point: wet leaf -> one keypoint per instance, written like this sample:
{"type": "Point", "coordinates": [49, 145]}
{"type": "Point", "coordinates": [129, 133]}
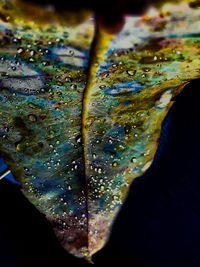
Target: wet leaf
{"type": "Point", "coordinates": [79, 122]}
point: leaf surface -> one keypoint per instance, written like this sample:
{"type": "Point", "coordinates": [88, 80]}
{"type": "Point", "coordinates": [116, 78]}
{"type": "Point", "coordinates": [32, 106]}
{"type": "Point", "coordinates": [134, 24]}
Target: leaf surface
{"type": "Point", "coordinates": [80, 121]}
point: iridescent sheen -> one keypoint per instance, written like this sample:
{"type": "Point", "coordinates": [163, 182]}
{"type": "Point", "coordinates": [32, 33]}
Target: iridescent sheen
{"type": "Point", "coordinates": [77, 127]}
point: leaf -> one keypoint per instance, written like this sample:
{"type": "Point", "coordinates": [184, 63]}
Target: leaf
{"type": "Point", "coordinates": [77, 134]}
{"type": "Point", "coordinates": [144, 67]}
{"type": "Point", "coordinates": [43, 76]}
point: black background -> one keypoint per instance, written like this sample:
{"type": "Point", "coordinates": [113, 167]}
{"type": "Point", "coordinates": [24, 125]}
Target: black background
{"type": "Point", "coordinates": [158, 226]}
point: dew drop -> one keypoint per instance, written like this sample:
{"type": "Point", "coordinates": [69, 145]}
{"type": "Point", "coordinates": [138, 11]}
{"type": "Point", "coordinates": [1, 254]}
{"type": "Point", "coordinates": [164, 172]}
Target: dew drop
{"type": "Point", "coordinates": [134, 160]}
{"type": "Point", "coordinates": [73, 86]}
{"type": "Point", "coordinates": [69, 187]}
{"type": "Point", "coordinates": [44, 63]}
{"type": "Point", "coordinates": [20, 50]}
{"type": "Point", "coordinates": [20, 147]}
{"type": "Point", "coordinates": [78, 139]}
{"type": "Point", "coordinates": [32, 118]}
{"type": "Point", "coordinates": [32, 53]}
{"type": "Point", "coordinates": [131, 73]}
{"type": "Point", "coordinates": [31, 59]}
{"type": "Point", "coordinates": [114, 164]}
{"type": "Point", "coordinates": [99, 170]}
{"type": "Point", "coordinates": [102, 188]}
{"type": "Point", "coordinates": [70, 53]}
{"type": "Point", "coordinates": [102, 86]}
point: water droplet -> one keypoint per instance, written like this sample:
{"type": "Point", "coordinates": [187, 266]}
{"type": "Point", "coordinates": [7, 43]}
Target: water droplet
{"type": "Point", "coordinates": [20, 50]}
{"type": "Point", "coordinates": [20, 147]}
{"type": "Point", "coordinates": [31, 59]}
{"type": "Point", "coordinates": [102, 86]}
{"type": "Point", "coordinates": [44, 63]}
{"type": "Point", "coordinates": [110, 141]}
{"type": "Point", "coordinates": [99, 170]}
{"type": "Point", "coordinates": [147, 69]}
{"type": "Point", "coordinates": [69, 187]}
{"type": "Point", "coordinates": [68, 79]}
{"type": "Point", "coordinates": [102, 188]}
{"type": "Point", "coordinates": [32, 118]}
{"type": "Point", "coordinates": [70, 53]}
{"type": "Point", "coordinates": [131, 72]}
{"type": "Point", "coordinates": [16, 40]}
{"type": "Point", "coordinates": [32, 53]}
{"type": "Point", "coordinates": [76, 167]}
{"type": "Point", "coordinates": [114, 164]}
{"type": "Point", "coordinates": [73, 86]}
{"type": "Point", "coordinates": [78, 139]}
{"type": "Point", "coordinates": [47, 51]}
{"type": "Point", "coordinates": [127, 129]}
{"type": "Point", "coordinates": [134, 160]}
{"type": "Point", "coordinates": [146, 166]}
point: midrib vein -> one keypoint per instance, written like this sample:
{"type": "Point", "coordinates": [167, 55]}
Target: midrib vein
{"type": "Point", "coordinates": [99, 46]}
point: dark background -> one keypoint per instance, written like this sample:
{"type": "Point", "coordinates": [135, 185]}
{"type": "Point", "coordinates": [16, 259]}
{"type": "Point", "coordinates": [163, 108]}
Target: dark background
{"type": "Point", "coordinates": [158, 226]}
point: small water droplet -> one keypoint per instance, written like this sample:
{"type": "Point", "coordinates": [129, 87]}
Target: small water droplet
{"type": "Point", "coordinates": [32, 118]}
{"type": "Point", "coordinates": [20, 50]}
{"type": "Point", "coordinates": [102, 86]}
{"type": "Point", "coordinates": [102, 188]}
{"type": "Point", "coordinates": [44, 63]}
{"type": "Point", "coordinates": [110, 141]}
{"type": "Point", "coordinates": [47, 51]}
{"type": "Point", "coordinates": [73, 86]}
{"type": "Point", "coordinates": [99, 170]}
{"type": "Point", "coordinates": [78, 139]}
{"type": "Point", "coordinates": [131, 72]}
{"type": "Point", "coordinates": [20, 147]}
{"type": "Point", "coordinates": [114, 164]}
{"type": "Point", "coordinates": [134, 160]}
{"type": "Point", "coordinates": [70, 53]}
{"type": "Point", "coordinates": [31, 59]}
{"type": "Point", "coordinates": [32, 53]}
{"type": "Point", "coordinates": [69, 187]}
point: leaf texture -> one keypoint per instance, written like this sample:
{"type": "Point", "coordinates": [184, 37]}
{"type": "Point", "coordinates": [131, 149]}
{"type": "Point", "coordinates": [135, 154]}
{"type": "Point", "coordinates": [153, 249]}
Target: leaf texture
{"type": "Point", "coordinates": [81, 117]}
